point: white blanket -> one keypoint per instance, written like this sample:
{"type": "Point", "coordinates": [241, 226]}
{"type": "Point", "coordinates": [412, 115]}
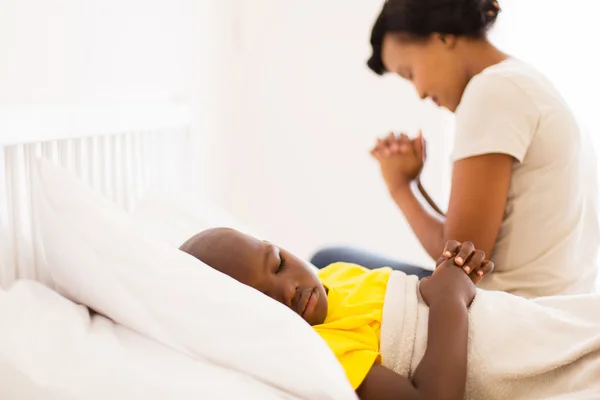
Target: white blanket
{"type": "Point", "coordinates": [518, 348]}
{"type": "Point", "coordinates": [51, 349]}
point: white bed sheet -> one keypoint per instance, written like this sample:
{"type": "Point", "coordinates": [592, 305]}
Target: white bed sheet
{"type": "Point", "coordinates": [51, 348]}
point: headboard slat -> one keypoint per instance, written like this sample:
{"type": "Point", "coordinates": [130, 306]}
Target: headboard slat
{"type": "Point", "coordinates": [122, 165]}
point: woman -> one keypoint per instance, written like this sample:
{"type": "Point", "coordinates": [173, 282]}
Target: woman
{"type": "Point", "coordinates": [516, 141]}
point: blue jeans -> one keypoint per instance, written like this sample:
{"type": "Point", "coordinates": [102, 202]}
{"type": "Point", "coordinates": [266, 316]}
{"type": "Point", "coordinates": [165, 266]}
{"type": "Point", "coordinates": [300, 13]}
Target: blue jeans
{"type": "Point", "coordinates": [365, 258]}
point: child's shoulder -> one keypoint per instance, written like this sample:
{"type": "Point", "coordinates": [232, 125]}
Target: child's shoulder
{"type": "Point", "coordinates": [341, 272]}
{"type": "Point", "coordinates": [342, 269]}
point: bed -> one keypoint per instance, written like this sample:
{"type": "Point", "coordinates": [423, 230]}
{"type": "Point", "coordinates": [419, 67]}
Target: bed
{"type": "Point", "coordinates": [120, 150]}
{"type": "Point", "coordinates": [96, 300]}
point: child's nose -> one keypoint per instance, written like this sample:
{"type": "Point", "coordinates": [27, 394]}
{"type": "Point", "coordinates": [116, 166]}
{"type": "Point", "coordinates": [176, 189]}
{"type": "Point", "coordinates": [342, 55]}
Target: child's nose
{"type": "Point", "coordinates": [290, 294]}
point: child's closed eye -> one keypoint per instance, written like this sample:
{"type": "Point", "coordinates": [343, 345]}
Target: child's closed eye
{"type": "Point", "coordinates": [281, 265]}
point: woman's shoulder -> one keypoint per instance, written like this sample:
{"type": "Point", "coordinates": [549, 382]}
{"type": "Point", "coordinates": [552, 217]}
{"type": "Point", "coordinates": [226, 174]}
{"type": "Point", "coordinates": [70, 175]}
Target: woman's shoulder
{"type": "Point", "coordinates": [504, 108]}
{"type": "Point", "coordinates": [509, 70]}
{"type": "Point", "coordinates": [513, 81]}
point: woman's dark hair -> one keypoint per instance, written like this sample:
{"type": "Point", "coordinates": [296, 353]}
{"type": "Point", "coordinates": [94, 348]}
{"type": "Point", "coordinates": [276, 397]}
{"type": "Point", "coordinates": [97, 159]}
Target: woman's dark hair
{"type": "Point", "coordinates": [417, 19]}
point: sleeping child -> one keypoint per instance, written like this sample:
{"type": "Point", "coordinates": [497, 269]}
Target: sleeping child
{"type": "Point", "coordinates": [439, 338]}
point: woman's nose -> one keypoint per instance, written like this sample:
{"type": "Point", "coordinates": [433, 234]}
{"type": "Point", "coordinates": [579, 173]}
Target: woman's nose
{"type": "Point", "coordinates": [420, 91]}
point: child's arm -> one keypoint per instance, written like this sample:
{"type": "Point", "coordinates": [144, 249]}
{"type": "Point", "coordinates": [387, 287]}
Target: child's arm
{"type": "Point", "coordinates": [443, 370]}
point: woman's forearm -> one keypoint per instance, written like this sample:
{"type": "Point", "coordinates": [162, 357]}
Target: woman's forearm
{"type": "Point", "coordinates": [442, 373]}
{"type": "Point", "coordinates": [427, 224]}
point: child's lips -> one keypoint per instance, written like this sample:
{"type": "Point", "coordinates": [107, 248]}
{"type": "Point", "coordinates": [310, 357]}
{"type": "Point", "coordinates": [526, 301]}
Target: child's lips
{"type": "Point", "coordinates": [304, 301]}
{"type": "Point", "coordinates": [311, 304]}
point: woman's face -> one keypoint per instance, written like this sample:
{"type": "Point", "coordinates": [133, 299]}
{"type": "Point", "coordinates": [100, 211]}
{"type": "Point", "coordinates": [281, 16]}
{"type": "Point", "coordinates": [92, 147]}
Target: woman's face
{"type": "Point", "coordinates": [433, 65]}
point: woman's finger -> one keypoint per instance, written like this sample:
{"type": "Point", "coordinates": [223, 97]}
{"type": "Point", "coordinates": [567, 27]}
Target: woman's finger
{"type": "Point", "coordinates": [406, 144]}
{"type": "Point", "coordinates": [465, 251]}
{"type": "Point", "coordinates": [385, 145]}
{"type": "Point", "coordinates": [374, 153]}
{"type": "Point", "coordinates": [390, 138]}
{"type": "Point", "coordinates": [381, 147]}
{"type": "Point", "coordinates": [403, 138]}
{"type": "Point", "coordinates": [417, 146]}
{"type": "Point", "coordinates": [403, 143]}
{"type": "Point", "coordinates": [378, 153]}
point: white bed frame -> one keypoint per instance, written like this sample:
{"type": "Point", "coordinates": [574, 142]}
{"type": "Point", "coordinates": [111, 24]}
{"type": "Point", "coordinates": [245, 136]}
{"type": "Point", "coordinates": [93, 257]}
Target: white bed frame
{"type": "Point", "coordinates": [121, 150]}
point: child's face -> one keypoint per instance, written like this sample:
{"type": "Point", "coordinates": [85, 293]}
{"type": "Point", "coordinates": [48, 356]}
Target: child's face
{"type": "Point", "coordinates": [271, 270]}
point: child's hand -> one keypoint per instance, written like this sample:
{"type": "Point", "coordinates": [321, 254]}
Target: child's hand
{"type": "Point", "coordinates": [448, 283]}
{"type": "Point", "coordinates": [401, 159]}
{"type": "Point", "coordinates": [472, 261]}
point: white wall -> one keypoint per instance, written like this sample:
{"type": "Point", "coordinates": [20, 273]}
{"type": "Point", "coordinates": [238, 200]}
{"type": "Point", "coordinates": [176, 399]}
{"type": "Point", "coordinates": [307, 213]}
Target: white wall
{"type": "Point", "coordinates": [284, 104]}
{"type": "Point", "coordinates": [85, 51]}
{"type": "Point", "coordinates": [307, 111]}
{"type": "Point", "coordinates": [560, 39]}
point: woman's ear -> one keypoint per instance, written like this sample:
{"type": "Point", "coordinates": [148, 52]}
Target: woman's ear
{"type": "Point", "coordinates": [446, 39]}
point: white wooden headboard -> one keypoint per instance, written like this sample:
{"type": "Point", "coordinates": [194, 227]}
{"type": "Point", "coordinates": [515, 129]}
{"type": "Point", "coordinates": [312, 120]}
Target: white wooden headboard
{"type": "Point", "coordinates": [121, 150]}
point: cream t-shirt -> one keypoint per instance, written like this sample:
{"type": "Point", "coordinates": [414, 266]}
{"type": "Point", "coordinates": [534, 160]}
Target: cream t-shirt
{"type": "Point", "coordinates": [549, 236]}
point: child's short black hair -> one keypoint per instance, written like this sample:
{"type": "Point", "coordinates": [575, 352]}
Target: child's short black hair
{"type": "Point", "coordinates": [418, 19]}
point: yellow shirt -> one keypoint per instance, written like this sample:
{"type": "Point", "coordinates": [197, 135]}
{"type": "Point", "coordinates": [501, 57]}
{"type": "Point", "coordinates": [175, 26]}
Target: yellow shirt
{"type": "Point", "coordinates": [353, 323]}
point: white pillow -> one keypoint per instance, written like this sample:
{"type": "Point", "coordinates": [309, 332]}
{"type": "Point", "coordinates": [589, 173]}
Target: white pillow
{"type": "Point", "coordinates": [176, 215]}
{"type": "Point", "coordinates": [99, 257]}
{"type": "Point", "coordinates": [51, 349]}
